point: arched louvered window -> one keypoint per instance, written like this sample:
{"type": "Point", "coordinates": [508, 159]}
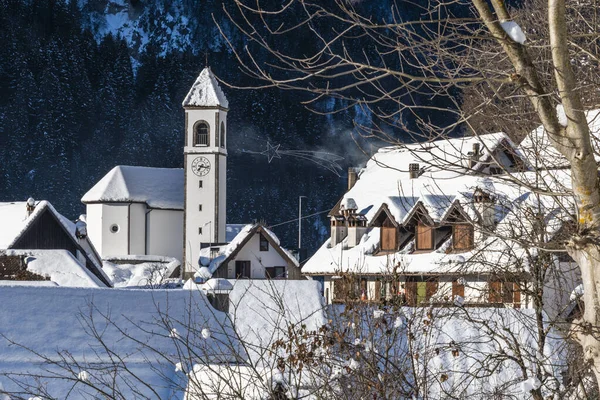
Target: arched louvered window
{"type": "Point", "coordinates": [201, 134]}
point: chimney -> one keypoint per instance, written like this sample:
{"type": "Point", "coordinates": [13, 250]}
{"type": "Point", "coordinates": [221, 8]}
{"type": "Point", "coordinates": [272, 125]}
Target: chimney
{"type": "Point", "coordinates": [413, 170]}
{"type": "Point", "coordinates": [474, 155]}
{"type": "Point", "coordinates": [30, 206]}
{"type": "Point", "coordinates": [352, 177]}
{"type": "Point", "coordinates": [357, 226]}
{"type": "Point", "coordinates": [485, 207]}
{"type": "Point", "coordinates": [338, 230]}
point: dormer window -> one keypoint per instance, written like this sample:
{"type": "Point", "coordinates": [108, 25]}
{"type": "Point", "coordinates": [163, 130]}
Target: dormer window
{"type": "Point", "coordinates": [424, 237]}
{"type": "Point", "coordinates": [201, 134]}
{"type": "Point", "coordinates": [462, 237]}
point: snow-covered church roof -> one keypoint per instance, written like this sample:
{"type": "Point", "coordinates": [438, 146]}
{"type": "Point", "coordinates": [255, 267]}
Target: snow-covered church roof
{"type": "Point", "coordinates": [157, 187]}
{"type": "Point", "coordinates": [206, 92]}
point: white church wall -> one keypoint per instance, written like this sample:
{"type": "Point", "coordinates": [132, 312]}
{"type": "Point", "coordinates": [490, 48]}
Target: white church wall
{"type": "Point", "coordinates": [259, 260]}
{"type": "Point", "coordinates": [94, 225]}
{"type": "Point", "coordinates": [137, 228]}
{"type": "Point", "coordinates": [165, 233]}
{"type": "Point", "coordinates": [115, 232]}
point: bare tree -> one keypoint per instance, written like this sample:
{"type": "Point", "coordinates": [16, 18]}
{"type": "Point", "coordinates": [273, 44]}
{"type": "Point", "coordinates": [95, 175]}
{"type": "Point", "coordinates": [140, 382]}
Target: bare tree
{"type": "Point", "coordinates": [412, 70]}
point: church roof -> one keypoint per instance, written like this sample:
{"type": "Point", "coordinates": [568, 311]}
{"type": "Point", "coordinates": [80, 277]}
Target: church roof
{"type": "Point", "coordinates": [157, 187]}
{"type": "Point", "coordinates": [206, 92]}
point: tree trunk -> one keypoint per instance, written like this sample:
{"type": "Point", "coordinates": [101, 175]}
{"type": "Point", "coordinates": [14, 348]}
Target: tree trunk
{"type": "Point", "coordinates": [585, 330]}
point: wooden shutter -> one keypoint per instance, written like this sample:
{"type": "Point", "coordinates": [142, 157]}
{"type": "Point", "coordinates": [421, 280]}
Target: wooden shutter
{"type": "Point", "coordinates": [411, 293]}
{"type": "Point", "coordinates": [424, 237]}
{"type": "Point", "coordinates": [377, 290]}
{"type": "Point", "coordinates": [388, 238]}
{"type": "Point", "coordinates": [495, 295]}
{"type": "Point", "coordinates": [431, 288]}
{"type": "Point", "coordinates": [457, 290]}
{"type": "Point", "coordinates": [463, 237]}
{"type": "Point", "coordinates": [517, 296]}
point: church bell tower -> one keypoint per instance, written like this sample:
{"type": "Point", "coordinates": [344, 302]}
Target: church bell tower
{"type": "Point", "coordinates": [205, 160]}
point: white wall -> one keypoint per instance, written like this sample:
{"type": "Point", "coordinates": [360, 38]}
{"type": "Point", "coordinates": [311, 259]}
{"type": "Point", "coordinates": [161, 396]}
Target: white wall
{"type": "Point", "coordinates": [94, 225]}
{"type": "Point", "coordinates": [212, 218]}
{"type": "Point", "coordinates": [115, 243]}
{"type": "Point", "coordinates": [259, 260]}
{"type": "Point", "coordinates": [137, 228]}
{"type": "Point", "coordinates": [165, 233]}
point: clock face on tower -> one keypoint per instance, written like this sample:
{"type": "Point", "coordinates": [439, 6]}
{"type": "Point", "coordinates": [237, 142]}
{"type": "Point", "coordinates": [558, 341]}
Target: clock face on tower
{"type": "Point", "coordinates": [200, 166]}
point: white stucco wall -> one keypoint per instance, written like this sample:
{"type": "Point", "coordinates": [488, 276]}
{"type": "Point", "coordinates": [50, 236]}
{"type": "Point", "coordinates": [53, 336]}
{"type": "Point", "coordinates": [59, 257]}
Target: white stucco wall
{"type": "Point", "coordinates": [137, 228]}
{"type": "Point", "coordinates": [115, 243]}
{"type": "Point", "coordinates": [165, 233]}
{"type": "Point", "coordinates": [259, 260]}
{"type": "Point", "coordinates": [94, 225]}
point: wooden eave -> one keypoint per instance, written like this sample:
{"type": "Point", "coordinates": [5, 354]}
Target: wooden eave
{"type": "Point", "coordinates": [419, 211]}
{"type": "Point", "coordinates": [383, 209]}
{"type": "Point", "coordinates": [455, 207]}
{"type": "Point", "coordinates": [219, 107]}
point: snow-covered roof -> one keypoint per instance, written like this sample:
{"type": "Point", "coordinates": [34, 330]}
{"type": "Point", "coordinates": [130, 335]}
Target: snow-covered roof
{"type": "Point", "coordinates": [206, 92]}
{"type": "Point", "coordinates": [226, 252]}
{"type": "Point", "coordinates": [142, 271]}
{"type": "Point", "coordinates": [59, 266]}
{"type": "Point", "coordinates": [157, 187]}
{"type": "Point", "coordinates": [15, 221]}
{"type": "Point", "coordinates": [149, 331]}
{"type": "Point", "coordinates": [445, 184]}
{"type": "Point", "coordinates": [537, 146]}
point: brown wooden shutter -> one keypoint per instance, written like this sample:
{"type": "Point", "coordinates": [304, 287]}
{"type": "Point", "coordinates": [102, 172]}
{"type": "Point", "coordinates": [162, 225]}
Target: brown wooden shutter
{"type": "Point", "coordinates": [495, 295]}
{"type": "Point", "coordinates": [463, 237]}
{"type": "Point", "coordinates": [411, 293]}
{"type": "Point", "coordinates": [457, 290]}
{"type": "Point", "coordinates": [517, 296]}
{"type": "Point", "coordinates": [424, 237]}
{"type": "Point", "coordinates": [377, 290]}
{"type": "Point", "coordinates": [388, 238]}
{"type": "Point", "coordinates": [431, 288]}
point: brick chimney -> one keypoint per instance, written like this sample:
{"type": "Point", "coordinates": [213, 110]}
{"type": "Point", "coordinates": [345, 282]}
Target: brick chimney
{"type": "Point", "coordinates": [413, 170]}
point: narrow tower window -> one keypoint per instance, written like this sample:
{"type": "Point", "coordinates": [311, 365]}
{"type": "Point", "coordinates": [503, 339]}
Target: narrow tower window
{"type": "Point", "coordinates": [222, 135]}
{"type": "Point", "coordinates": [201, 137]}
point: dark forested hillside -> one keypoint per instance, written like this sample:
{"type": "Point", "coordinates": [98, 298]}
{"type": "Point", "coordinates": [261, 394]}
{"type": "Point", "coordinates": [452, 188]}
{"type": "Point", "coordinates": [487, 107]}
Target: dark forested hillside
{"type": "Point", "coordinates": [76, 101]}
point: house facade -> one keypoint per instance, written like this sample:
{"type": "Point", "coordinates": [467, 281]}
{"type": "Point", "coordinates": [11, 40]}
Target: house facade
{"type": "Point", "coordinates": [39, 244]}
{"type": "Point", "coordinates": [254, 253]}
{"type": "Point", "coordinates": [434, 224]}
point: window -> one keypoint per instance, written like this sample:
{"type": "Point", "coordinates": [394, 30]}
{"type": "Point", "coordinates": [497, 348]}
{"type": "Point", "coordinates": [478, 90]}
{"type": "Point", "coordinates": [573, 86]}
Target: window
{"type": "Point", "coordinates": [242, 269]}
{"type": "Point", "coordinates": [264, 243]}
{"type": "Point", "coordinates": [222, 134]}
{"type": "Point", "coordinates": [201, 136]}
{"type": "Point", "coordinates": [504, 292]}
{"type": "Point", "coordinates": [200, 184]}
{"type": "Point", "coordinates": [199, 207]}
{"type": "Point", "coordinates": [275, 272]}
{"type": "Point", "coordinates": [424, 237]}
{"type": "Point", "coordinates": [462, 237]}
{"type": "Point", "coordinates": [420, 290]}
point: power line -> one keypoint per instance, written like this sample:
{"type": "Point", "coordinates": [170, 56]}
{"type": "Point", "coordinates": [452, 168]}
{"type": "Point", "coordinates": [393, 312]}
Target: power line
{"type": "Point", "coordinates": [296, 219]}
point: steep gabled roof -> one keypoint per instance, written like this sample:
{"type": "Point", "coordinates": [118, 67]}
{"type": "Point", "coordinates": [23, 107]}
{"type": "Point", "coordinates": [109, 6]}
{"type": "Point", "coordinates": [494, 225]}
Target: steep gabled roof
{"type": "Point", "coordinates": [206, 92]}
{"type": "Point", "coordinates": [16, 222]}
{"type": "Point", "coordinates": [157, 187]}
{"type": "Point", "coordinates": [228, 252]}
